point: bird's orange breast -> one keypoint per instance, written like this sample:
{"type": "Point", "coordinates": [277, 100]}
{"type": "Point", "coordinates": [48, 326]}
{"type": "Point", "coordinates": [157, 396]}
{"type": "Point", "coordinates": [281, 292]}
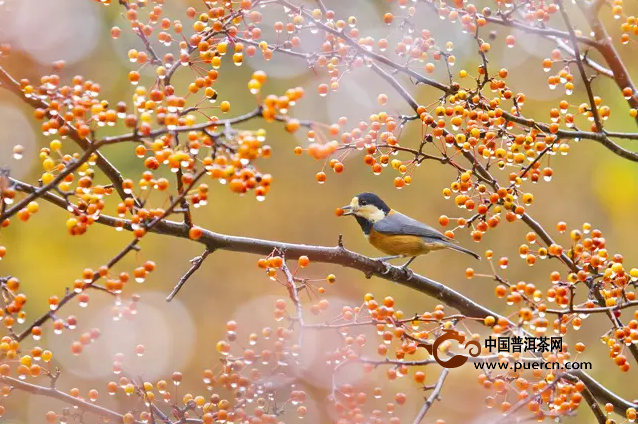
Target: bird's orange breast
{"type": "Point", "coordinates": [400, 244]}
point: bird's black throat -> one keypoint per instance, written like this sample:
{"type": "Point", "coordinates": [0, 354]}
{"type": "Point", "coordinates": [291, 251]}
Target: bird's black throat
{"type": "Point", "coordinates": [366, 225]}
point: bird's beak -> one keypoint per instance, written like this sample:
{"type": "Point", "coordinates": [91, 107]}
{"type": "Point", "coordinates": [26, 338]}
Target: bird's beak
{"type": "Point", "coordinates": [347, 210]}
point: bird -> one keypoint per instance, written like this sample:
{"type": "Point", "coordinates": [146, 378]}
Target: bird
{"type": "Point", "coordinates": [396, 234]}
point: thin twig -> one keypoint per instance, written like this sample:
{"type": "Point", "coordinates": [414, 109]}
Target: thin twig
{"type": "Point", "coordinates": [593, 405]}
{"type": "Point", "coordinates": [82, 405]}
{"type": "Point", "coordinates": [197, 263]}
{"type": "Point", "coordinates": [433, 396]}
{"type": "Point", "coordinates": [7, 82]}
{"type": "Point", "coordinates": [581, 67]}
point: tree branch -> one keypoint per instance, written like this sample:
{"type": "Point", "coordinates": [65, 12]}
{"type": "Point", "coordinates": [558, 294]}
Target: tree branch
{"type": "Point", "coordinates": [379, 58]}
{"type": "Point", "coordinates": [197, 263]}
{"type": "Point", "coordinates": [581, 67]}
{"type": "Point", "coordinates": [61, 396]}
{"type": "Point", "coordinates": [604, 395]}
{"type": "Point", "coordinates": [593, 405]}
{"type": "Point", "coordinates": [340, 256]}
{"type": "Point", "coordinates": [197, 127]}
{"type": "Point", "coordinates": [433, 396]}
{"type": "Point", "coordinates": [105, 166]}
{"type": "Point", "coordinates": [609, 53]}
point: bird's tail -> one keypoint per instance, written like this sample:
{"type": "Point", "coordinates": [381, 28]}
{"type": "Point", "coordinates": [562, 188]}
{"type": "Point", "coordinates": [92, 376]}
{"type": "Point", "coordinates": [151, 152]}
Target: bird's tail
{"type": "Point", "coordinates": [464, 250]}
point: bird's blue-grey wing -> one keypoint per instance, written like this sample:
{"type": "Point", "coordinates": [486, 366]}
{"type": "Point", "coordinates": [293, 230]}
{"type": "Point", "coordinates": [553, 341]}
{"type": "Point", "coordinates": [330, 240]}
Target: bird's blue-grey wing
{"type": "Point", "coordinates": [398, 224]}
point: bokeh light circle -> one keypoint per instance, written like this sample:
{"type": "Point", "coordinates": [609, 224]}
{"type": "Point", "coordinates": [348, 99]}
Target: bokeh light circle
{"type": "Point", "coordinates": [166, 330]}
{"type": "Point", "coordinates": [53, 30]}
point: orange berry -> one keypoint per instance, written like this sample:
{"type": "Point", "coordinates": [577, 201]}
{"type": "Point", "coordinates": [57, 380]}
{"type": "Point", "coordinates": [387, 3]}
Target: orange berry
{"type": "Point", "coordinates": [388, 18]}
{"type": "Point", "coordinates": [76, 348]}
{"type": "Point", "coordinates": [51, 417]}
{"type": "Point", "coordinates": [195, 233]}
{"type": "Point", "coordinates": [400, 398]}
{"type": "Point", "coordinates": [304, 261]}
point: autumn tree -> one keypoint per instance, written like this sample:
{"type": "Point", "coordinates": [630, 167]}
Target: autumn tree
{"type": "Point", "coordinates": [185, 138]}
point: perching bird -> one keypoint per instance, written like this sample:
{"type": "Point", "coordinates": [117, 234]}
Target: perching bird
{"type": "Point", "coordinates": [396, 234]}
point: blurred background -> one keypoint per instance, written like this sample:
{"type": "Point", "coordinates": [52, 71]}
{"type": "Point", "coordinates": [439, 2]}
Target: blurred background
{"type": "Point", "coordinates": [590, 185]}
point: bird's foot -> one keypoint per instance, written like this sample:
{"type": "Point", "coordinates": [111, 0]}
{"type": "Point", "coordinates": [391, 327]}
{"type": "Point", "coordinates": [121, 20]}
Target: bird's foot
{"type": "Point", "coordinates": [409, 273]}
{"type": "Point", "coordinates": [407, 270]}
{"type": "Point", "coordinates": [386, 266]}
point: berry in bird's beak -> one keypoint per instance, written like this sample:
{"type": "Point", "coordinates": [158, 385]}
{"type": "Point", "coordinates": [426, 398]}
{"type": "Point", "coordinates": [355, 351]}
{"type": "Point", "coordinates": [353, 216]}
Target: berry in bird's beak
{"type": "Point", "coordinates": [344, 211]}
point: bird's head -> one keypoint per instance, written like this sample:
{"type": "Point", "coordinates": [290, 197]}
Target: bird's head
{"type": "Point", "coordinates": [367, 206]}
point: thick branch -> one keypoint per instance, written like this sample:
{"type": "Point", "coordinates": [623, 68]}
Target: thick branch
{"type": "Point", "coordinates": [604, 395]}
{"type": "Point", "coordinates": [335, 255]}
{"type": "Point", "coordinates": [611, 56]}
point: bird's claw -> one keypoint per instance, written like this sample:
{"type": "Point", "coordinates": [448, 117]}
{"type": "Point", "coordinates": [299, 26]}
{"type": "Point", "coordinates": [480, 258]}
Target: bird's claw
{"type": "Point", "coordinates": [409, 273]}
{"type": "Point", "coordinates": [387, 267]}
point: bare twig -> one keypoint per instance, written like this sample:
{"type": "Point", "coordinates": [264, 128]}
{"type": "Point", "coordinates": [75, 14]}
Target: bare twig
{"type": "Point", "coordinates": [188, 220]}
{"type": "Point", "coordinates": [82, 405]}
{"type": "Point", "coordinates": [521, 404]}
{"type": "Point", "coordinates": [197, 127]}
{"type": "Point", "coordinates": [197, 263]}
{"type": "Point", "coordinates": [372, 55]}
{"type": "Point", "coordinates": [581, 67]}
{"type": "Point", "coordinates": [593, 405]}
{"type": "Point", "coordinates": [436, 392]}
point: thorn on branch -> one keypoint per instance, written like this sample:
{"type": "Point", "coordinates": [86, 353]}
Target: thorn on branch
{"type": "Point", "coordinates": [54, 377]}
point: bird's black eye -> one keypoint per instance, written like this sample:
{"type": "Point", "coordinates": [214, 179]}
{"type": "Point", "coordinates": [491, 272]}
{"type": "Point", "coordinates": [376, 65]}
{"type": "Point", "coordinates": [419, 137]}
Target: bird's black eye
{"type": "Point", "coordinates": [362, 203]}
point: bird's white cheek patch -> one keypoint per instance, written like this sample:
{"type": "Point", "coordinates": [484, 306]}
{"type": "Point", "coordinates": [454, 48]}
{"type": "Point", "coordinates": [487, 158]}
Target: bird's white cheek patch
{"type": "Point", "coordinates": [371, 213]}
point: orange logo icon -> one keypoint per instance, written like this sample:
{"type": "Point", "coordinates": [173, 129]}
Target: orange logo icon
{"type": "Point", "coordinates": [457, 360]}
